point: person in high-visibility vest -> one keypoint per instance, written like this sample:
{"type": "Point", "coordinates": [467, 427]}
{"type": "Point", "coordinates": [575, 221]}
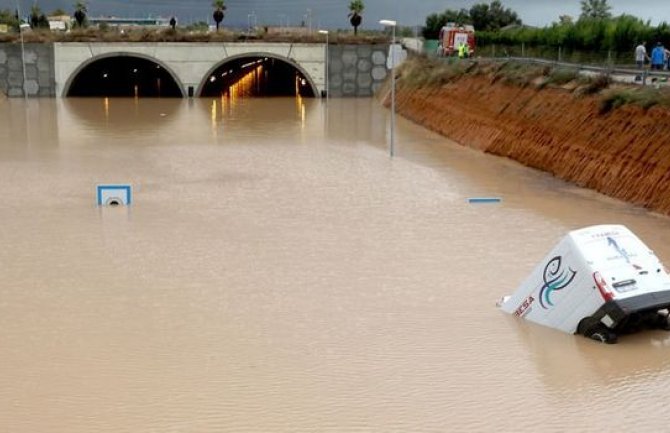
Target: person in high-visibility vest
{"type": "Point", "coordinates": [466, 51]}
{"type": "Point", "coordinates": [461, 50]}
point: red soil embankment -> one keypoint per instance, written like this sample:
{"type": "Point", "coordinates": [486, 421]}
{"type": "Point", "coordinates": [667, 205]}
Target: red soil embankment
{"type": "Point", "coordinates": [624, 153]}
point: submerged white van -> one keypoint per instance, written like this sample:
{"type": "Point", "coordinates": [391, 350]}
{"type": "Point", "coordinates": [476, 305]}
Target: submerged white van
{"type": "Point", "coordinates": [599, 281]}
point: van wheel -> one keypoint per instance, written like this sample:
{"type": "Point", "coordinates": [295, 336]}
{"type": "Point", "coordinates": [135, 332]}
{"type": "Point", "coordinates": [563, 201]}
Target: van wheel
{"type": "Point", "coordinates": [602, 334]}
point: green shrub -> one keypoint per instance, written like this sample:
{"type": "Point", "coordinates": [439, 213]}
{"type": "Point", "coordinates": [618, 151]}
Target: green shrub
{"type": "Point", "coordinates": [519, 74]}
{"type": "Point", "coordinates": [590, 84]}
{"type": "Point", "coordinates": [645, 97]}
{"type": "Point", "coordinates": [562, 76]}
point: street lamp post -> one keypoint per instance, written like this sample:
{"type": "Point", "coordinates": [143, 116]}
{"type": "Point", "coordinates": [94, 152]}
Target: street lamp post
{"type": "Point", "coordinates": [249, 19]}
{"type": "Point", "coordinates": [325, 32]}
{"type": "Point", "coordinates": [392, 24]}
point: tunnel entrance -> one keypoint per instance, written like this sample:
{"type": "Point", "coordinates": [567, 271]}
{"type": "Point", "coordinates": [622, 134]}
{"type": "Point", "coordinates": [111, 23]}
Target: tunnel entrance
{"type": "Point", "coordinates": [257, 76]}
{"type": "Point", "coordinates": [124, 76]}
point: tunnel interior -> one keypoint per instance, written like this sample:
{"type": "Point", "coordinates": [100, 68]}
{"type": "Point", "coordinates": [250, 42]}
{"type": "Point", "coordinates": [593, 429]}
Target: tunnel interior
{"type": "Point", "coordinates": [124, 76]}
{"type": "Point", "coordinates": [257, 76]}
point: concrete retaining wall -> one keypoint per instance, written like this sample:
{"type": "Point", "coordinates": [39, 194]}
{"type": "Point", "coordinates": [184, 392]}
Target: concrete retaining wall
{"type": "Point", "coordinates": [356, 70]}
{"type": "Point", "coordinates": [39, 70]}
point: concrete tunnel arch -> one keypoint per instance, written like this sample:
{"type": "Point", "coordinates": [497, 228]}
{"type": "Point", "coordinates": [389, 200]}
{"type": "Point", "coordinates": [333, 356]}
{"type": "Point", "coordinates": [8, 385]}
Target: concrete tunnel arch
{"type": "Point", "coordinates": [256, 55]}
{"type": "Point", "coordinates": [103, 57]}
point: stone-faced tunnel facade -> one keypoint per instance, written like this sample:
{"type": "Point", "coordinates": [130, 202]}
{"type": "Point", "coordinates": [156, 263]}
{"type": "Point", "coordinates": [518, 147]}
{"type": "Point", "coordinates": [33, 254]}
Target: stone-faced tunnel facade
{"type": "Point", "coordinates": [354, 70]}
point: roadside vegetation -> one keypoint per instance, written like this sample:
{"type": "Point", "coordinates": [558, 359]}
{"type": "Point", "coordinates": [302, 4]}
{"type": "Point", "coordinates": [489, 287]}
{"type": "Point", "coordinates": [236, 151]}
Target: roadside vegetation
{"type": "Point", "coordinates": [645, 97]}
{"type": "Point", "coordinates": [423, 71]}
{"type": "Point", "coordinates": [595, 35]}
{"type": "Point", "coordinates": [612, 39]}
{"type": "Point", "coordinates": [195, 33]}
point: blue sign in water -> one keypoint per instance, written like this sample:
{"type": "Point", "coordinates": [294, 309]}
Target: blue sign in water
{"type": "Point", "coordinates": [114, 195]}
{"type": "Point", "coordinates": [484, 200]}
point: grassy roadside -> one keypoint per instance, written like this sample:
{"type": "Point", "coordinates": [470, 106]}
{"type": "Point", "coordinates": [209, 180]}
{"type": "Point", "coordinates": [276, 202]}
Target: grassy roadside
{"type": "Point", "coordinates": [422, 71]}
{"type": "Point", "coordinates": [645, 97]}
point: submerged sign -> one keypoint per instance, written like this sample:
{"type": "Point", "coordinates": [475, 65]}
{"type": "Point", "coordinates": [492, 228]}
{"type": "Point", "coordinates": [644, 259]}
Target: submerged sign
{"type": "Point", "coordinates": [114, 195]}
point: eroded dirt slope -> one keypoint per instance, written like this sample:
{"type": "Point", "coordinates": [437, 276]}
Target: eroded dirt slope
{"type": "Point", "coordinates": [624, 153]}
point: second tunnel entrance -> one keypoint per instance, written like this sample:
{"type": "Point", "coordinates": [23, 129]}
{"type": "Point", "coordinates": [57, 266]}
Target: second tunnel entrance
{"type": "Point", "coordinates": [257, 76]}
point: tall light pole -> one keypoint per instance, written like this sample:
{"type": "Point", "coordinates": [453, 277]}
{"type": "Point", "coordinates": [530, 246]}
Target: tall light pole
{"type": "Point", "coordinates": [325, 32]}
{"type": "Point", "coordinates": [249, 19]}
{"type": "Point", "coordinates": [23, 50]}
{"type": "Point", "coordinates": [393, 60]}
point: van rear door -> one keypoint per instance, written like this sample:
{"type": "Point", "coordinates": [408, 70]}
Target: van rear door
{"type": "Point", "coordinates": [622, 261]}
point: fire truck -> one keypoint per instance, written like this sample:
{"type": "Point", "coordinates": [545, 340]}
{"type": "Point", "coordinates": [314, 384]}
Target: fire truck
{"type": "Point", "coordinates": [452, 35]}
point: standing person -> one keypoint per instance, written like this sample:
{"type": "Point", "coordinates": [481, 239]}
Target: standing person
{"type": "Point", "coordinates": [641, 55]}
{"type": "Point", "coordinates": [658, 57]}
{"type": "Point", "coordinates": [461, 50]}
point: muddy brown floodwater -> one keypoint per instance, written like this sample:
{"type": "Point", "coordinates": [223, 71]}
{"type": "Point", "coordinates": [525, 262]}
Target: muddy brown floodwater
{"type": "Point", "coordinates": [278, 272]}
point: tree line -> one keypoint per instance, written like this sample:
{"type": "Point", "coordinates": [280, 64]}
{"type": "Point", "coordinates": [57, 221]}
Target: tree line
{"type": "Point", "coordinates": [617, 34]}
{"type": "Point", "coordinates": [594, 30]}
{"type": "Point", "coordinates": [483, 16]}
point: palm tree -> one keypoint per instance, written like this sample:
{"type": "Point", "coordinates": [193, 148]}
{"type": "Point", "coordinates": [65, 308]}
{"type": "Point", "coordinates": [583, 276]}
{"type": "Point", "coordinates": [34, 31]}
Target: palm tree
{"type": "Point", "coordinates": [218, 14]}
{"type": "Point", "coordinates": [356, 8]}
{"type": "Point", "coordinates": [34, 15]}
{"type": "Point", "coordinates": [80, 13]}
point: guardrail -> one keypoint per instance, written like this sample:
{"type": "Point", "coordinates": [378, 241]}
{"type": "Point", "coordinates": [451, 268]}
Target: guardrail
{"type": "Point", "coordinates": [619, 73]}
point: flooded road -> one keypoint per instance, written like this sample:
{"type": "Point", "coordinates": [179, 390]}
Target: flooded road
{"type": "Point", "coordinates": [278, 272]}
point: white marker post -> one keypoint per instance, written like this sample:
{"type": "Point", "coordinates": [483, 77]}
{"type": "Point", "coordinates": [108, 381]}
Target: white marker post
{"type": "Point", "coordinates": [391, 66]}
{"type": "Point", "coordinates": [325, 32]}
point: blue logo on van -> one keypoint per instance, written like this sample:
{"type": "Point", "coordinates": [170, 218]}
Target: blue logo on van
{"type": "Point", "coordinates": [555, 278]}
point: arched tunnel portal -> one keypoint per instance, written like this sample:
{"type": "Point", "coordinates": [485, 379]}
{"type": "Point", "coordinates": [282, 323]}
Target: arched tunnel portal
{"type": "Point", "coordinates": [123, 75]}
{"type": "Point", "coordinates": [257, 75]}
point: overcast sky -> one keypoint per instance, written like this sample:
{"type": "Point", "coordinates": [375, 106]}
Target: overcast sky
{"type": "Point", "coordinates": [333, 13]}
